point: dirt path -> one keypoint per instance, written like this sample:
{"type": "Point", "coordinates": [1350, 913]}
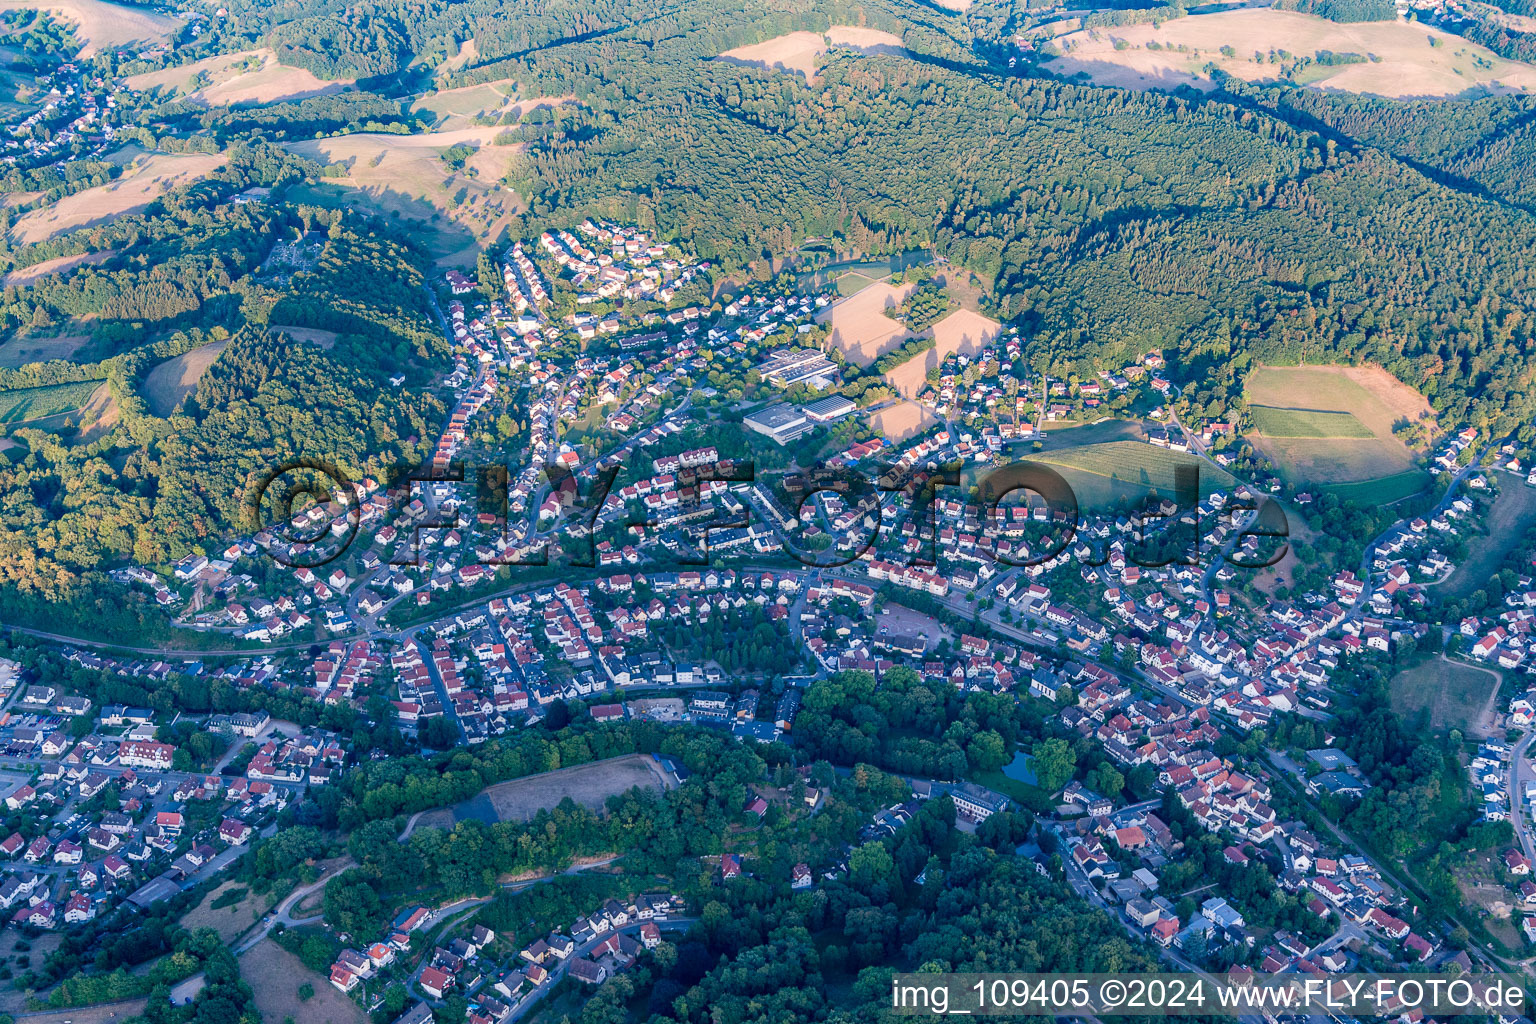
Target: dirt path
{"type": "Point", "coordinates": [98, 1014]}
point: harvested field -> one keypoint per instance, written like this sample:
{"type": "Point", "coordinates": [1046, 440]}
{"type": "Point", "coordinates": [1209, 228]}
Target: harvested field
{"type": "Point", "coordinates": [858, 326]}
{"type": "Point", "coordinates": [26, 349]}
{"type": "Point", "coordinates": [520, 799]}
{"type": "Point", "coordinates": [173, 380]}
{"type": "Point", "coordinates": [275, 975]}
{"type": "Point", "coordinates": [1401, 60]}
{"type": "Point", "coordinates": [101, 24]}
{"type": "Point", "coordinates": [1369, 396]}
{"type": "Point", "coordinates": [901, 421]}
{"type": "Point", "coordinates": [1513, 512]}
{"type": "Point", "coordinates": [247, 77]}
{"type": "Point", "coordinates": [1454, 695]}
{"type": "Point", "coordinates": [455, 107]}
{"type": "Point", "coordinates": [406, 175]}
{"type": "Point", "coordinates": [797, 51]}
{"type": "Point", "coordinates": [145, 181]}
{"type": "Point", "coordinates": [21, 277]}
{"type": "Point", "coordinates": [1305, 423]}
{"type": "Point", "coordinates": [962, 332]}
{"type": "Point", "coordinates": [1122, 473]}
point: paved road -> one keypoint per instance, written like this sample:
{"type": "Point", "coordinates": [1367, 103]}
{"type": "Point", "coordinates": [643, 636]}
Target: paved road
{"type": "Point", "coordinates": [1519, 774]}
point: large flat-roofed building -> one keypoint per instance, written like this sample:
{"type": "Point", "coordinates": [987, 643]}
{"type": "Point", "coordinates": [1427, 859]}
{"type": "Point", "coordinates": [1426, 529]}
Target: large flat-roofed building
{"type": "Point", "coordinates": [794, 366]}
{"type": "Point", "coordinates": [828, 409]}
{"type": "Point", "coordinates": [782, 423]}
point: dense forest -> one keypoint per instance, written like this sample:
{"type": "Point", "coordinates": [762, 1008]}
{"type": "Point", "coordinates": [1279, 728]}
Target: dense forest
{"type": "Point", "coordinates": [1107, 222]}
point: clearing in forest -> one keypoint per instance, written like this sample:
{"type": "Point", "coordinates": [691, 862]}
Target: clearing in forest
{"type": "Point", "coordinates": [143, 181]}
{"type": "Point", "coordinates": [449, 181]}
{"type": "Point", "coordinates": [520, 799]}
{"type": "Point", "coordinates": [24, 349]}
{"type": "Point", "coordinates": [100, 25]}
{"type": "Point", "coordinates": [173, 380]}
{"type": "Point", "coordinates": [1395, 59]}
{"type": "Point", "coordinates": [456, 107]}
{"type": "Point", "coordinates": [229, 79]}
{"type": "Point", "coordinates": [1323, 425]}
{"type": "Point", "coordinates": [798, 51]}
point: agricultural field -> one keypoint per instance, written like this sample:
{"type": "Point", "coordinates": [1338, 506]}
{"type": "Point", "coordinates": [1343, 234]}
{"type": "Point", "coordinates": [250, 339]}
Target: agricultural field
{"type": "Point", "coordinates": [231, 79]}
{"type": "Point", "coordinates": [1455, 695]}
{"type": "Point", "coordinates": [145, 179]}
{"type": "Point", "coordinates": [858, 327]}
{"type": "Point", "coordinates": [1121, 473]}
{"type": "Point", "coordinates": [1305, 423]}
{"type": "Point", "coordinates": [463, 207]}
{"type": "Point", "coordinates": [1400, 59]}
{"type": "Point", "coordinates": [962, 332]}
{"type": "Point", "coordinates": [27, 404]}
{"type": "Point", "coordinates": [173, 380]}
{"type": "Point", "coordinates": [900, 421]}
{"type": "Point", "coordinates": [22, 277]}
{"type": "Point", "coordinates": [798, 51]}
{"type": "Point", "coordinates": [313, 335]}
{"type": "Point", "coordinates": [26, 348]}
{"type": "Point", "coordinates": [1513, 512]}
{"type": "Point", "coordinates": [1331, 425]}
{"type": "Point", "coordinates": [520, 799]}
{"type": "Point", "coordinates": [100, 25]}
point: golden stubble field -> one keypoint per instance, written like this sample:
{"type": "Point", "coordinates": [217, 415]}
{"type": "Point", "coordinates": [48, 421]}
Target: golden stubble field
{"type": "Point", "coordinates": [963, 332]}
{"type": "Point", "coordinates": [231, 79]}
{"type": "Point", "coordinates": [1375, 399]}
{"type": "Point", "coordinates": [407, 176]}
{"type": "Point", "coordinates": [145, 178]}
{"type": "Point", "coordinates": [798, 51]}
{"type": "Point", "coordinates": [100, 25]}
{"type": "Point", "coordinates": [1407, 64]}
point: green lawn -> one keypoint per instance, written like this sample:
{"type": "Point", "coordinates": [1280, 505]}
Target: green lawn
{"type": "Point", "coordinates": [1273, 422]}
{"type": "Point", "coordinates": [1384, 491]}
{"type": "Point", "coordinates": [1454, 694]}
{"type": "Point", "coordinates": [1031, 797]}
{"type": "Point", "coordinates": [1121, 473]}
